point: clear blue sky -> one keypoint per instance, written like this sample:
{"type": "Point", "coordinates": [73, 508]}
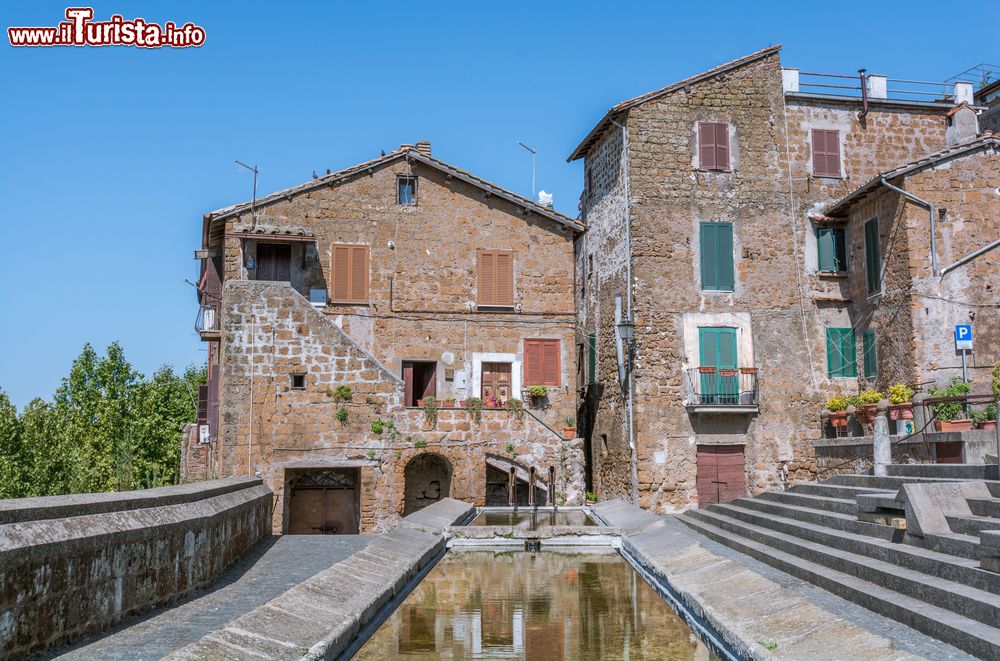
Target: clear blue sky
{"type": "Point", "coordinates": [110, 156]}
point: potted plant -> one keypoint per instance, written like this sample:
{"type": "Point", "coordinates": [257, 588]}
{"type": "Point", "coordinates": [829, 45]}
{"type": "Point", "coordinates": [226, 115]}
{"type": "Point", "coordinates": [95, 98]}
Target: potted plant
{"type": "Point", "coordinates": [867, 403]}
{"type": "Point", "coordinates": [569, 431]}
{"type": "Point", "coordinates": [987, 418]}
{"type": "Point", "coordinates": [516, 407]}
{"type": "Point", "coordinates": [430, 411]}
{"type": "Point", "coordinates": [837, 406]}
{"type": "Point", "coordinates": [948, 415]}
{"type": "Point", "coordinates": [537, 394]}
{"type": "Point", "coordinates": [474, 406]}
{"type": "Point", "coordinates": [491, 402]}
{"type": "Point", "coordinates": [900, 402]}
{"type": "Point", "coordinates": [448, 403]}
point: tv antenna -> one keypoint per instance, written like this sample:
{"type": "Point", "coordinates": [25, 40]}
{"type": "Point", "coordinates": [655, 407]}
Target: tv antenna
{"type": "Point", "coordinates": [532, 150]}
{"type": "Point", "coordinates": [253, 200]}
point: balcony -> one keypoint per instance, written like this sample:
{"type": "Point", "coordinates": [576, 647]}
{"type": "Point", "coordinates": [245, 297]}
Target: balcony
{"type": "Point", "coordinates": [715, 390]}
{"type": "Point", "coordinates": [207, 322]}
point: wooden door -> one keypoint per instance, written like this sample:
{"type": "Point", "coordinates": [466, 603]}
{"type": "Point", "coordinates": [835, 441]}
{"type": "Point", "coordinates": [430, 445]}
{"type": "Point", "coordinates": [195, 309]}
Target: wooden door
{"type": "Point", "coordinates": [324, 503]}
{"type": "Point", "coordinates": [721, 471]}
{"type": "Point", "coordinates": [274, 262]}
{"type": "Point", "coordinates": [419, 381]}
{"type": "Point", "coordinates": [496, 382]}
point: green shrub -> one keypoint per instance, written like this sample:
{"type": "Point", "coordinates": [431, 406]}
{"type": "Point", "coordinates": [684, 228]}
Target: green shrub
{"type": "Point", "coordinates": [377, 426]}
{"type": "Point", "coordinates": [342, 414]}
{"type": "Point", "coordinates": [900, 393]}
{"type": "Point", "coordinates": [987, 414]}
{"type": "Point", "coordinates": [516, 407]}
{"type": "Point", "coordinates": [342, 393]}
{"type": "Point", "coordinates": [420, 444]}
{"type": "Point", "coordinates": [870, 396]}
{"type": "Point", "coordinates": [371, 455]}
{"type": "Point", "coordinates": [431, 411]}
{"type": "Point", "coordinates": [510, 449]}
{"type": "Point", "coordinates": [474, 406]}
{"type": "Point", "coordinates": [838, 403]}
{"type": "Point", "coordinates": [996, 381]}
{"type": "Point", "coordinates": [570, 422]}
{"type": "Point", "coordinates": [538, 391]}
{"type": "Point", "coordinates": [950, 410]}
{"type": "Point", "coordinates": [591, 497]}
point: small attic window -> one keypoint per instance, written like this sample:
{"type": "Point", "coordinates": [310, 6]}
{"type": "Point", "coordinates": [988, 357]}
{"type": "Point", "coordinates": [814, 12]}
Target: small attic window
{"type": "Point", "coordinates": [406, 190]}
{"type": "Point", "coordinates": [298, 382]}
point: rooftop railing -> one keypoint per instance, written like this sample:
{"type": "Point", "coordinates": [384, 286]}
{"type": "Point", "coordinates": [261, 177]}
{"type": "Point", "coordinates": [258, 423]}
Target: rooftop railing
{"type": "Point", "coordinates": [876, 87]}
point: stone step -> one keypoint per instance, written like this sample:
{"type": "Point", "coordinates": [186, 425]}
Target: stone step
{"type": "Point", "coordinates": [943, 471]}
{"type": "Point", "coordinates": [833, 490]}
{"type": "Point", "coordinates": [963, 632]}
{"type": "Point", "coordinates": [840, 505]}
{"type": "Point", "coordinates": [925, 560]}
{"type": "Point", "coordinates": [894, 482]}
{"type": "Point", "coordinates": [972, 525]}
{"type": "Point", "coordinates": [834, 520]}
{"type": "Point", "coordinates": [985, 506]}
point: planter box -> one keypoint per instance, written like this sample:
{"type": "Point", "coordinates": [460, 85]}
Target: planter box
{"type": "Point", "coordinates": [569, 432]}
{"type": "Point", "coordinates": [838, 419]}
{"type": "Point", "coordinates": [866, 413]}
{"type": "Point", "coordinates": [989, 424]}
{"type": "Point", "coordinates": [901, 411]}
{"type": "Point", "coordinates": [960, 424]}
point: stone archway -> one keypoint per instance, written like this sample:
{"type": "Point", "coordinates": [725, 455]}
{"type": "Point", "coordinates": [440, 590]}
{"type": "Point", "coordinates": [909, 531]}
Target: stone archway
{"type": "Point", "coordinates": [427, 480]}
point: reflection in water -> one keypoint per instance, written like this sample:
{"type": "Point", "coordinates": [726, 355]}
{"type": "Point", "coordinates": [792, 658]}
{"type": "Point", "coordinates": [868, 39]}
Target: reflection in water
{"type": "Point", "coordinates": [519, 605]}
{"type": "Point", "coordinates": [530, 520]}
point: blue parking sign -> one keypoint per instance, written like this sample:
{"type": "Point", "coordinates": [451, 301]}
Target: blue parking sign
{"type": "Point", "coordinates": [963, 337]}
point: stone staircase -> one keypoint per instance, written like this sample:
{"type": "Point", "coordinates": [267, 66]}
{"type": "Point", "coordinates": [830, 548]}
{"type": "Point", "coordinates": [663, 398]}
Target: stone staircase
{"type": "Point", "coordinates": [829, 534]}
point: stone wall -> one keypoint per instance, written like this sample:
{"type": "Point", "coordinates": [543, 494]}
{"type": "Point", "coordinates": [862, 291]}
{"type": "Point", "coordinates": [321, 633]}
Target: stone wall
{"type": "Point", "coordinates": [74, 565]}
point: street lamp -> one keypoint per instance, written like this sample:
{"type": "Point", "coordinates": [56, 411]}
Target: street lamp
{"type": "Point", "coordinates": [626, 331]}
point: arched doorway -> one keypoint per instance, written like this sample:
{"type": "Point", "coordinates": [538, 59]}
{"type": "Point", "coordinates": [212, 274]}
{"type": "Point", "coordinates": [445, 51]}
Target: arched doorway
{"type": "Point", "coordinates": [324, 502]}
{"type": "Point", "coordinates": [428, 480]}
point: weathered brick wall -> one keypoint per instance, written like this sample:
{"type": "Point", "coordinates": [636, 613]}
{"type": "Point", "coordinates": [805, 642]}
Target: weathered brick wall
{"type": "Point", "coordinates": [74, 565]}
{"type": "Point", "coordinates": [296, 429]}
{"type": "Point", "coordinates": [602, 254]}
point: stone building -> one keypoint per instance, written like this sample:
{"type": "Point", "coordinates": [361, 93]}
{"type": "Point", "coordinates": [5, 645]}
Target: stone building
{"type": "Point", "coordinates": [706, 235]}
{"type": "Point", "coordinates": [334, 310]}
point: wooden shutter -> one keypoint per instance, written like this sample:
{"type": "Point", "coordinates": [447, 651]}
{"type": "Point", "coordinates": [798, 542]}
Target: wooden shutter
{"type": "Point", "coordinates": [350, 273]}
{"type": "Point", "coordinates": [873, 262]}
{"type": "Point", "coordinates": [869, 352]}
{"type": "Point", "coordinates": [495, 277]}
{"type": "Point", "coordinates": [592, 358]}
{"type": "Point", "coordinates": [202, 404]}
{"type": "Point", "coordinates": [826, 153]}
{"type": "Point", "coordinates": [841, 353]}
{"type": "Point", "coordinates": [542, 363]}
{"type": "Point", "coordinates": [706, 146]}
{"type": "Point", "coordinates": [717, 266]}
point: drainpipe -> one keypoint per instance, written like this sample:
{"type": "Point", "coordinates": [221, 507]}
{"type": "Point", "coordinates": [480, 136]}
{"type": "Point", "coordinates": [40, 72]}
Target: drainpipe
{"type": "Point", "coordinates": [628, 313]}
{"type": "Point", "coordinates": [930, 208]}
{"type": "Point", "coordinates": [864, 94]}
{"type": "Point", "coordinates": [970, 257]}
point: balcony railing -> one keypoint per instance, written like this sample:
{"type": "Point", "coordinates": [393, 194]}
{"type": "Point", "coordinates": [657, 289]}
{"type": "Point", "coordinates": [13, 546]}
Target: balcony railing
{"type": "Point", "coordinates": [207, 321]}
{"type": "Point", "coordinates": [876, 87]}
{"type": "Point", "coordinates": [713, 389]}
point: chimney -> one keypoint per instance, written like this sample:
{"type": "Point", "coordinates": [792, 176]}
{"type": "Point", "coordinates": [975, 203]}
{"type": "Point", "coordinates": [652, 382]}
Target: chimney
{"type": "Point", "coordinates": [424, 147]}
{"type": "Point", "coordinates": [963, 125]}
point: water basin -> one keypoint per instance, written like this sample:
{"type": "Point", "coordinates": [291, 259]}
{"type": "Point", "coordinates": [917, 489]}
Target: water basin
{"type": "Point", "coordinates": [532, 520]}
{"type": "Point", "coordinates": [550, 605]}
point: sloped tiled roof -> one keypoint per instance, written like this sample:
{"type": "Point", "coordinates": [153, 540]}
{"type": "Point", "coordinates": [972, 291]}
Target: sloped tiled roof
{"type": "Point", "coordinates": [596, 132]}
{"type": "Point", "coordinates": [410, 152]}
{"type": "Point", "coordinates": [987, 139]}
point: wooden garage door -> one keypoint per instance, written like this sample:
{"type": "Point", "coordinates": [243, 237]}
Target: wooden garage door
{"type": "Point", "coordinates": [720, 474]}
{"type": "Point", "coordinates": [324, 503]}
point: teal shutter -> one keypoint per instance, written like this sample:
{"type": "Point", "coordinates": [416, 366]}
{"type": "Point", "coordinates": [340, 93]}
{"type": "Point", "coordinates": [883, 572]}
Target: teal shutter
{"type": "Point", "coordinates": [873, 263]}
{"type": "Point", "coordinates": [831, 248]}
{"type": "Point", "coordinates": [717, 348]}
{"type": "Point", "coordinates": [717, 267]}
{"type": "Point", "coordinates": [870, 352]}
{"type": "Point", "coordinates": [592, 358]}
{"type": "Point", "coordinates": [841, 353]}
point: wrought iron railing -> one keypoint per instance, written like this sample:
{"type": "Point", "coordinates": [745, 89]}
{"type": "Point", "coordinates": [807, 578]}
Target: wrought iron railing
{"type": "Point", "coordinates": [207, 319]}
{"type": "Point", "coordinates": [713, 386]}
{"type": "Point", "coordinates": [875, 86]}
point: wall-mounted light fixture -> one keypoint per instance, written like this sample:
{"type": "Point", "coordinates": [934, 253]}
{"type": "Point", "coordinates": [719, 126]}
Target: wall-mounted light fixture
{"type": "Point", "coordinates": [250, 262]}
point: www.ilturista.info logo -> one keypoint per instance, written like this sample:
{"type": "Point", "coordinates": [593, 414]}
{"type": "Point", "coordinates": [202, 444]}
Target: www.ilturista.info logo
{"type": "Point", "coordinates": [80, 30]}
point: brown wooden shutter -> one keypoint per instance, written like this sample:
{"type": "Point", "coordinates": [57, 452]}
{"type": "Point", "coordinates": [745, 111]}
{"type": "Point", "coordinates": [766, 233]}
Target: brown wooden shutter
{"type": "Point", "coordinates": [505, 278]}
{"type": "Point", "coordinates": [550, 363]}
{"type": "Point", "coordinates": [202, 404]}
{"type": "Point", "coordinates": [722, 146]}
{"type": "Point", "coordinates": [532, 363]}
{"type": "Point", "coordinates": [487, 278]}
{"type": "Point", "coordinates": [706, 146]}
{"type": "Point", "coordinates": [350, 273]}
{"type": "Point", "coordinates": [495, 277]}
{"type": "Point", "coordinates": [541, 362]}
{"type": "Point", "coordinates": [826, 153]}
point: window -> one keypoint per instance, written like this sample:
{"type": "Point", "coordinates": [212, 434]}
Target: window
{"type": "Point", "coordinates": [831, 247]}
{"type": "Point", "coordinates": [350, 273]}
{"type": "Point", "coordinates": [873, 263]}
{"type": "Point", "coordinates": [717, 257]}
{"type": "Point", "coordinates": [592, 358]}
{"type": "Point", "coordinates": [274, 262]}
{"type": "Point", "coordinates": [713, 146]}
{"type": "Point", "coordinates": [406, 190]}
{"type": "Point", "coordinates": [419, 381]}
{"type": "Point", "coordinates": [496, 277]}
{"type": "Point", "coordinates": [298, 382]}
{"type": "Point", "coordinates": [717, 349]}
{"type": "Point", "coordinates": [826, 153]}
{"type": "Point", "coordinates": [541, 362]}
{"type": "Point", "coordinates": [869, 351]}
{"type": "Point", "coordinates": [841, 353]}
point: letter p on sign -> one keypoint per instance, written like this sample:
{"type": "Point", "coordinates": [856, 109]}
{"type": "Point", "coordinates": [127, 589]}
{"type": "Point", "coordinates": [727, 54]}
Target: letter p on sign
{"type": "Point", "coordinates": [963, 337]}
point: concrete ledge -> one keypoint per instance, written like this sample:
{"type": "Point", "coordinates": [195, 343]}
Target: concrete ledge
{"type": "Point", "coordinates": [625, 515]}
{"type": "Point", "coordinates": [320, 617]}
{"type": "Point", "coordinates": [63, 578]}
{"type": "Point", "coordinates": [15, 510]}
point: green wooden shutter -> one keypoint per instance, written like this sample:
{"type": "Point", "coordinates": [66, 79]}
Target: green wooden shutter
{"type": "Point", "coordinates": [873, 263]}
{"type": "Point", "coordinates": [717, 348]}
{"type": "Point", "coordinates": [870, 352]}
{"type": "Point", "coordinates": [831, 248]}
{"type": "Point", "coordinates": [841, 353]}
{"type": "Point", "coordinates": [592, 358]}
{"type": "Point", "coordinates": [717, 268]}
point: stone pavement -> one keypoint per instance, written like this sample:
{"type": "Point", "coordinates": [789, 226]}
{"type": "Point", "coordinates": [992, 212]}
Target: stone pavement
{"type": "Point", "coordinates": [267, 571]}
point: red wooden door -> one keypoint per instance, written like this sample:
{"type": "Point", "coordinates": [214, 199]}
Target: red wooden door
{"type": "Point", "coordinates": [419, 381]}
{"type": "Point", "coordinates": [274, 262]}
{"type": "Point", "coordinates": [720, 474]}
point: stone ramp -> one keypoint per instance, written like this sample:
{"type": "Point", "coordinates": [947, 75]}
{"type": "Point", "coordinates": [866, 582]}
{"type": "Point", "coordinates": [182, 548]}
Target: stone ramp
{"type": "Point", "coordinates": [934, 583]}
{"type": "Point", "coordinates": [758, 612]}
{"type": "Point", "coordinates": [320, 617]}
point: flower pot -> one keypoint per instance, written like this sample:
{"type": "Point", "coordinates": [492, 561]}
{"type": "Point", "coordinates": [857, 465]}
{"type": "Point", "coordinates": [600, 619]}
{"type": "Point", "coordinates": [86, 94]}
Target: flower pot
{"type": "Point", "coordinates": [420, 403]}
{"type": "Point", "coordinates": [706, 370]}
{"type": "Point", "coordinates": [446, 405]}
{"type": "Point", "coordinates": [866, 413]}
{"type": "Point", "coordinates": [902, 411]}
{"type": "Point", "coordinates": [959, 424]}
{"type": "Point", "coordinates": [569, 432]}
{"type": "Point", "coordinates": [462, 404]}
{"type": "Point", "coordinates": [729, 372]}
{"type": "Point", "coordinates": [748, 370]}
{"type": "Point", "coordinates": [988, 424]}
{"type": "Point", "coordinates": [838, 419]}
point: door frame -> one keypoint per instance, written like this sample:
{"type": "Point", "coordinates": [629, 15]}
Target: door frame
{"type": "Point", "coordinates": [292, 474]}
{"type": "Point", "coordinates": [476, 382]}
